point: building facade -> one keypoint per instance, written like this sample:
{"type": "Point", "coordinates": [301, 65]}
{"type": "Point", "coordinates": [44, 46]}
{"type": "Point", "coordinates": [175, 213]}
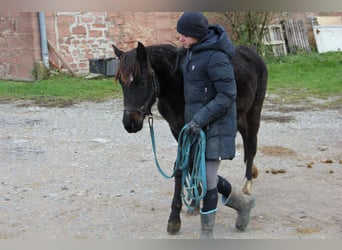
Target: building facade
{"type": "Point", "coordinates": [74, 38]}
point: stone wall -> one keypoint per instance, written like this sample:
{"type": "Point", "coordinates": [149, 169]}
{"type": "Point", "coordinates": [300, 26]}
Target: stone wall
{"type": "Point", "coordinates": [77, 37]}
{"type": "Point", "coordinates": [19, 45]}
{"type": "Point", "coordinates": [89, 35]}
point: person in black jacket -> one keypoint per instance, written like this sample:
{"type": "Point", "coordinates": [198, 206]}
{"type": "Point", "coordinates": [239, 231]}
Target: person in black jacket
{"type": "Point", "coordinates": [210, 104]}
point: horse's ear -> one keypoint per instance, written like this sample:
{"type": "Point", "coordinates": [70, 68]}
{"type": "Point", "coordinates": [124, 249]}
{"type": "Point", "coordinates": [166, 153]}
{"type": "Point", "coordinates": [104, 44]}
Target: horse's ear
{"type": "Point", "coordinates": [117, 51]}
{"type": "Point", "coordinates": [141, 52]}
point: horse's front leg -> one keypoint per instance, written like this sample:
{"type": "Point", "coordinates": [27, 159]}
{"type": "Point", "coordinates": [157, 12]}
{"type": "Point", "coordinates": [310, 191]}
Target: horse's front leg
{"type": "Point", "coordinates": [174, 223]}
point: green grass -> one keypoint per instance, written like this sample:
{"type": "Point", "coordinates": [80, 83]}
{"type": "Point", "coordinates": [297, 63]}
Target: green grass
{"type": "Point", "coordinates": [315, 75]}
{"type": "Point", "coordinates": [60, 90]}
{"type": "Point", "coordinates": [292, 79]}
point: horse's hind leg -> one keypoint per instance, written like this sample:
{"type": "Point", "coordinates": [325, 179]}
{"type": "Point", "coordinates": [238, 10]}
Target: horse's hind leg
{"type": "Point", "coordinates": [248, 129]}
{"type": "Point", "coordinates": [174, 222]}
{"type": "Point", "coordinates": [250, 147]}
{"type": "Point", "coordinates": [251, 169]}
{"type": "Point", "coordinates": [196, 208]}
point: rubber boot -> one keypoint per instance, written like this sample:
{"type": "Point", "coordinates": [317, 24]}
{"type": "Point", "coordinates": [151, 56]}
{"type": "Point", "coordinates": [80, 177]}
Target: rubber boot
{"type": "Point", "coordinates": [207, 224]}
{"type": "Point", "coordinates": [243, 204]}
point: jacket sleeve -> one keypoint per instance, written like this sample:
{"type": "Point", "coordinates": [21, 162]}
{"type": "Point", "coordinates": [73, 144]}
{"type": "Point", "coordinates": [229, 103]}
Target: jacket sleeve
{"type": "Point", "coordinates": [221, 75]}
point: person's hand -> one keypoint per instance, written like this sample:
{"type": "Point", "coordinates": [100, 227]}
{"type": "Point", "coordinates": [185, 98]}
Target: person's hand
{"type": "Point", "coordinates": [194, 128]}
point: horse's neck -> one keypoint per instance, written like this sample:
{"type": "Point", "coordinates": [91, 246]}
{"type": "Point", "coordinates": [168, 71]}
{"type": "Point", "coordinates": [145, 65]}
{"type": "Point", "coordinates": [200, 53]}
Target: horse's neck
{"type": "Point", "coordinates": [171, 88]}
{"type": "Point", "coordinates": [166, 68]}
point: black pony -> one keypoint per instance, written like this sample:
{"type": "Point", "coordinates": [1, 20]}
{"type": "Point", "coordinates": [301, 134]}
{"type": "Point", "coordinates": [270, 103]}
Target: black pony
{"type": "Point", "coordinates": [151, 72]}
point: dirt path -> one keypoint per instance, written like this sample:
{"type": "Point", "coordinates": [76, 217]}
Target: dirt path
{"type": "Point", "coordinates": [75, 173]}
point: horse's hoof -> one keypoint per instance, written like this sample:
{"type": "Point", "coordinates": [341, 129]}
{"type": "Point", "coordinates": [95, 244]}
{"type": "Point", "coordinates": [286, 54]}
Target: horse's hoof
{"type": "Point", "coordinates": [255, 172]}
{"type": "Point", "coordinates": [193, 212]}
{"type": "Point", "coordinates": [247, 189]}
{"type": "Point", "coordinates": [173, 227]}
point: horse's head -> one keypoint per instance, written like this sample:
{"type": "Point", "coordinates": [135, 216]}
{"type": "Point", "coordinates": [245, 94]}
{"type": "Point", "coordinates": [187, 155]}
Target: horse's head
{"type": "Point", "coordinates": [139, 86]}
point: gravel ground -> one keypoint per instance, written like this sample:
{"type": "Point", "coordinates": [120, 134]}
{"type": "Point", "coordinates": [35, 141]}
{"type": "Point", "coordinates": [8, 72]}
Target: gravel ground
{"type": "Point", "coordinates": [75, 173]}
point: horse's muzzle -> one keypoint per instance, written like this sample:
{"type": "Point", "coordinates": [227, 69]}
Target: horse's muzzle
{"type": "Point", "coordinates": [133, 121]}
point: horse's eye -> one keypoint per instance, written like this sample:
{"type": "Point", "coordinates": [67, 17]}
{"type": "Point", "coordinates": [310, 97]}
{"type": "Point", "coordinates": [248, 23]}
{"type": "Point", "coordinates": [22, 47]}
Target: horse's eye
{"type": "Point", "coordinates": [143, 81]}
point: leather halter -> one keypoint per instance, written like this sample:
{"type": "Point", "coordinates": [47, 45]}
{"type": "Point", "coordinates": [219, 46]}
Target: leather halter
{"type": "Point", "coordinates": [145, 109]}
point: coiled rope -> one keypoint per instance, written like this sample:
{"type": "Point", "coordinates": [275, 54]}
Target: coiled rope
{"type": "Point", "coordinates": [194, 186]}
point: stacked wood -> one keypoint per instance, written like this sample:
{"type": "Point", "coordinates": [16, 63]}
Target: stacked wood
{"type": "Point", "coordinates": [296, 35]}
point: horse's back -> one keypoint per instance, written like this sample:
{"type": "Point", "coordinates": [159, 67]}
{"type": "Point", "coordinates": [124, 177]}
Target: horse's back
{"type": "Point", "coordinates": [251, 78]}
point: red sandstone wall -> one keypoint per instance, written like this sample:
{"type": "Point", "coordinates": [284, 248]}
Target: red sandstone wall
{"type": "Point", "coordinates": [83, 35]}
{"type": "Point", "coordinates": [80, 36]}
{"type": "Point", "coordinates": [19, 44]}
{"type": "Point", "coordinates": [77, 36]}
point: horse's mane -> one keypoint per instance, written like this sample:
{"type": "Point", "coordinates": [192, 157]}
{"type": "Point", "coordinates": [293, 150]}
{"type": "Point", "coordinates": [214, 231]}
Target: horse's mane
{"type": "Point", "coordinates": [128, 65]}
{"type": "Point", "coordinates": [168, 53]}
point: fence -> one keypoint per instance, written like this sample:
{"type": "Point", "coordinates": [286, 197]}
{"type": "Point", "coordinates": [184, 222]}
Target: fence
{"type": "Point", "coordinates": [296, 35]}
{"type": "Point", "coordinates": [290, 36]}
{"type": "Point", "coordinates": [274, 38]}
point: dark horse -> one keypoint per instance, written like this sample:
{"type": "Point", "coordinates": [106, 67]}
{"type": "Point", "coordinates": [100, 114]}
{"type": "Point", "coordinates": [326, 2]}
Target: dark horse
{"type": "Point", "coordinates": [151, 72]}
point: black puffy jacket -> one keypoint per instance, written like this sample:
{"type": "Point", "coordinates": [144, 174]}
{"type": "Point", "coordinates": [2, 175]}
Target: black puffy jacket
{"type": "Point", "coordinates": [210, 92]}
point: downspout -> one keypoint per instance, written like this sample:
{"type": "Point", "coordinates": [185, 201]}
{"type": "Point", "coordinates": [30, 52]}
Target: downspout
{"type": "Point", "coordinates": [43, 39]}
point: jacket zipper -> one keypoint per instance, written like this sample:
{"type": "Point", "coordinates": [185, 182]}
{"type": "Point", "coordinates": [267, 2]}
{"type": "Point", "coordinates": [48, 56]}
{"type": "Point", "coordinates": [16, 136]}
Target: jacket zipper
{"type": "Point", "coordinates": [206, 100]}
{"type": "Point", "coordinates": [206, 94]}
{"type": "Point", "coordinates": [189, 60]}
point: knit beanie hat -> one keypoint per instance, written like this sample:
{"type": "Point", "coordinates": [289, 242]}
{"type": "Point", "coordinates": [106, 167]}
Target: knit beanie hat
{"type": "Point", "coordinates": [193, 24]}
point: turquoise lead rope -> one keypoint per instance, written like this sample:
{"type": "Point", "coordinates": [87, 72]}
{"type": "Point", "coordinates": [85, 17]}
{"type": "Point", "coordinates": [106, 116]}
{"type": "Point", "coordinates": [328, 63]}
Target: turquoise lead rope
{"type": "Point", "coordinates": [194, 186]}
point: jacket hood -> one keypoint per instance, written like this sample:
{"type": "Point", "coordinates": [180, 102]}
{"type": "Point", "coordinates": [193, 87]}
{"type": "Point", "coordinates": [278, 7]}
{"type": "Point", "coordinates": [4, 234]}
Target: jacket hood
{"type": "Point", "coordinates": [217, 39]}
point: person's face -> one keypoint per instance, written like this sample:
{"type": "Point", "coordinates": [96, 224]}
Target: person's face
{"type": "Point", "coordinates": [187, 41]}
